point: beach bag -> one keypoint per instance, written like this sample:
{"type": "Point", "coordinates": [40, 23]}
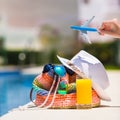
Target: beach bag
{"type": "Point", "coordinates": [43, 83]}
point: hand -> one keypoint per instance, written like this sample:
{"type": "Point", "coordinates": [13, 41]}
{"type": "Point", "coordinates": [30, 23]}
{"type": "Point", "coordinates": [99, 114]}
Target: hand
{"type": "Point", "coordinates": [110, 27]}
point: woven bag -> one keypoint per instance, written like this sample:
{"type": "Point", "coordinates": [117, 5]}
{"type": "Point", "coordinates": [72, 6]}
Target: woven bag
{"type": "Point", "coordinates": [43, 83]}
{"type": "Point", "coordinates": [65, 101]}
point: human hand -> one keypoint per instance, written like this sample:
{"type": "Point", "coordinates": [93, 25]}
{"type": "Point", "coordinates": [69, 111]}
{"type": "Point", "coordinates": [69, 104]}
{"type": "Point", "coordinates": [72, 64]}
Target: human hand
{"type": "Point", "coordinates": [110, 27]}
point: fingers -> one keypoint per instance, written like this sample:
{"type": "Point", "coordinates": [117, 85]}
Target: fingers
{"type": "Point", "coordinates": [103, 32]}
{"type": "Point", "coordinates": [110, 27]}
{"type": "Point", "coordinates": [102, 27]}
{"type": "Point", "coordinates": [105, 28]}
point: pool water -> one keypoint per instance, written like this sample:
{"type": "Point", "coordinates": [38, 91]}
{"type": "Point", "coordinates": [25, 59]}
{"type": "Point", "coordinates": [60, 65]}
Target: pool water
{"type": "Point", "coordinates": [14, 90]}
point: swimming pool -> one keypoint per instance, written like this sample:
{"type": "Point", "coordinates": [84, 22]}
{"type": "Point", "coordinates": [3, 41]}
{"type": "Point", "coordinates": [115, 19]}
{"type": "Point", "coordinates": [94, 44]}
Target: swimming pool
{"type": "Point", "coordinates": [14, 90]}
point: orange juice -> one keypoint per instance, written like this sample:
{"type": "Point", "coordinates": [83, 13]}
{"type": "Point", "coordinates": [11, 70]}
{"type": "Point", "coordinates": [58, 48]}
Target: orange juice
{"type": "Point", "coordinates": [84, 93]}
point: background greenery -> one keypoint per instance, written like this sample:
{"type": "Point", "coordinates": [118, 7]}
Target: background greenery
{"type": "Point", "coordinates": [107, 53]}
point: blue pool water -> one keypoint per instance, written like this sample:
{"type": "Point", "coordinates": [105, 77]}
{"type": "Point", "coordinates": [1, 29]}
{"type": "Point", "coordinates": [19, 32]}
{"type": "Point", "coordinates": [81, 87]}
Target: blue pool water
{"type": "Point", "coordinates": [14, 90]}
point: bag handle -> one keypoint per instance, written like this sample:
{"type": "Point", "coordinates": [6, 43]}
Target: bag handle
{"type": "Point", "coordinates": [31, 91]}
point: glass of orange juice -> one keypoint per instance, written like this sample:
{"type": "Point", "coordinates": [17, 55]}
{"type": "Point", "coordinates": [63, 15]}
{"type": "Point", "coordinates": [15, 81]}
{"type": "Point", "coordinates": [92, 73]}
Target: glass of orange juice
{"type": "Point", "coordinates": [84, 93]}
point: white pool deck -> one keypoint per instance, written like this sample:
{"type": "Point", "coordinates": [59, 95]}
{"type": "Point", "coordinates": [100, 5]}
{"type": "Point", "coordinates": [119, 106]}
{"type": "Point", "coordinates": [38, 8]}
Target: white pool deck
{"type": "Point", "coordinates": [107, 110]}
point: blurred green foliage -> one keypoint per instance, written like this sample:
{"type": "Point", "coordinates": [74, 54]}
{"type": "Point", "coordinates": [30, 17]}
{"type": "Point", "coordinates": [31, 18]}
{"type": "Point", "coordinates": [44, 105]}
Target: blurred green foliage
{"type": "Point", "coordinates": [54, 44]}
{"type": "Point", "coordinates": [3, 55]}
{"type": "Point", "coordinates": [107, 53]}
